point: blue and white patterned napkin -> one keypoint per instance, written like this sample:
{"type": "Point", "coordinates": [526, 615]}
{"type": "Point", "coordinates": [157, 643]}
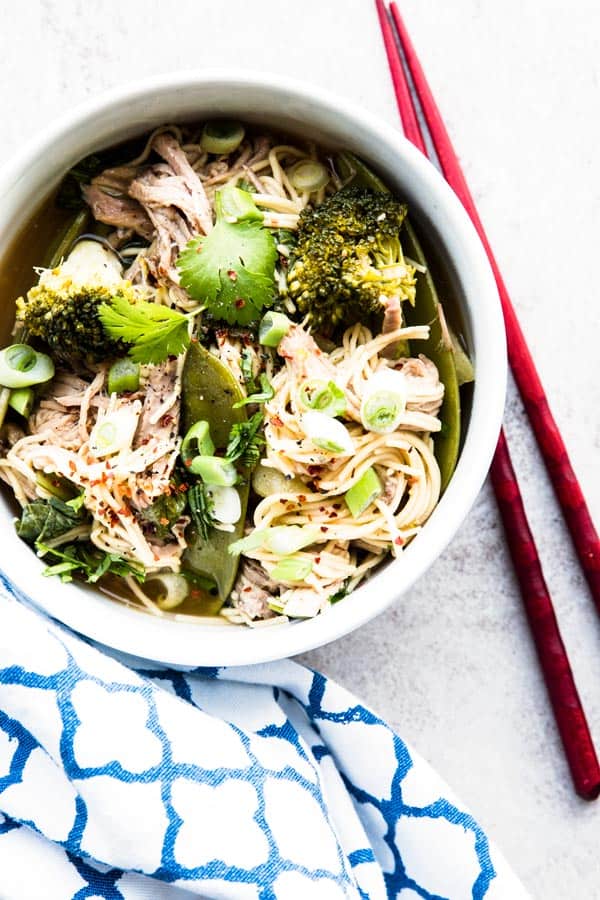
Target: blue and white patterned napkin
{"type": "Point", "coordinates": [259, 783]}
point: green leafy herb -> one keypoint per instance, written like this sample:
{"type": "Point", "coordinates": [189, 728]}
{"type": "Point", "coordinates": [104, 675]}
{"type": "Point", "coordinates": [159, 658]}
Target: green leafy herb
{"type": "Point", "coordinates": [87, 560]}
{"type": "Point", "coordinates": [232, 269]}
{"type": "Point", "coordinates": [267, 393]}
{"type": "Point", "coordinates": [164, 512]}
{"type": "Point", "coordinates": [201, 509]}
{"type": "Point", "coordinates": [43, 520]}
{"type": "Point", "coordinates": [246, 442]}
{"type": "Point", "coordinates": [154, 332]}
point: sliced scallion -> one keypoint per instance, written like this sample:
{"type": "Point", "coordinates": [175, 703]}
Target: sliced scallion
{"type": "Point", "coordinates": [327, 433]}
{"type": "Point", "coordinates": [221, 136]}
{"type": "Point", "coordinates": [288, 539]}
{"type": "Point", "coordinates": [214, 470]}
{"type": "Point", "coordinates": [123, 376]}
{"type": "Point", "coordinates": [384, 402]}
{"type": "Point", "coordinates": [226, 504]}
{"type": "Point", "coordinates": [250, 542]}
{"type": "Point", "coordinates": [21, 400]}
{"type": "Point", "coordinates": [363, 493]}
{"type": "Point", "coordinates": [308, 175]}
{"type": "Point", "coordinates": [292, 568]}
{"type": "Point", "coordinates": [22, 366]}
{"type": "Point", "coordinates": [113, 432]}
{"type": "Point", "coordinates": [323, 396]}
{"type": "Point", "coordinates": [273, 327]}
{"type": "Point", "coordinates": [197, 441]}
{"type": "Point", "coordinates": [172, 591]}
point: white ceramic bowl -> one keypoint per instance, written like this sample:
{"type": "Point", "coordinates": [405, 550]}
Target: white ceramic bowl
{"type": "Point", "coordinates": [308, 111]}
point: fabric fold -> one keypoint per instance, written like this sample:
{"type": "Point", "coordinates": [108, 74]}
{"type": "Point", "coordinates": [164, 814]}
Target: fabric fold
{"type": "Point", "coordinates": [135, 781]}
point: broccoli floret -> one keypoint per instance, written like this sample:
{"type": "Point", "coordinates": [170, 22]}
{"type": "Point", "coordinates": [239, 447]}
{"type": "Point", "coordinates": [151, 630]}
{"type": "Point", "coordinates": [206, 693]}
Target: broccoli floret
{"type": "Point", "coordinates": [348, 259]}
{"type": "Point", "coordinates": [62, 309]}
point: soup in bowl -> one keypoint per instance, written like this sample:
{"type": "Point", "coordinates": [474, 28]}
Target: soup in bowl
{"type": "Point", "coordinates": [253, 369]}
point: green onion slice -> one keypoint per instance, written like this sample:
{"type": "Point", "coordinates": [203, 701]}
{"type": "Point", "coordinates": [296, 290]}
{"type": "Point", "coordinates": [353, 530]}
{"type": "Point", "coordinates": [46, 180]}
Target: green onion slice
{"type": "Point", "coordinates": [323, 396]}
{"type": "Point", "coordinates": [237, 205]}
{"type": "Point", "coordinates": [360, 496]}
{"type": "Point", "coordinates": [252, 541]}
{"type": "Point", "coordinates": [197, 441]}
{"type": "Point", "coordinates": [214, 470]}
{"type": "Point", "coordinates": [281, 539]}
{"type": "Point", "coordinates": [384, 402]}
{"type": "Point", "coordinates": [22, 366]}
{"type": "Point", "coordinates": [113, 433]}
{"type": "Point", "coordinates": [273, 327]}
{"type": "Point", "coordinates": [291, 568]}
{"type": "Point", "coordinates": [222, 136]}
{"type": "Point", "coordinates": [226, 504]}
{"type": "Point", "coordinates": [287, 539]}
{"type": "Point", "coordinates": [123, 376]}
{"type": "Point", "coordinates": [173, 589]}
{"type": "Point", "coordinates": [21, 400]}
{"type": "Point", "coordinates": [327, 433]}
{"type": "Point", "coordinates": [308, 175]}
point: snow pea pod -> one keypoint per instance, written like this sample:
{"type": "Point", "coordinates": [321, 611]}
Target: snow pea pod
{"type": "Point", "coordinates": [209, 392]}
{"type": "Point", "coordinates": [426, 309]}
{"type": "Point", "coordinates": [74, 228]}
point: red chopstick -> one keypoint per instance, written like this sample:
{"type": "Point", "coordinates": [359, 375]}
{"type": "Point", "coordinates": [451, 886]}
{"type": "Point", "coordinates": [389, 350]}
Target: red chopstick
{"type": "Point", "coordinates": [554, 453]}
{"type": "Point", "coordinates": [562, 691]}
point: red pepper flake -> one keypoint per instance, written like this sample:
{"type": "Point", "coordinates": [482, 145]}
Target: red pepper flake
{"type": "Point", "coordinates": [321, 509]}
{"type": "Point", "coordinates": [276, 421]}
{"type": "Point", "coordinates": [240, 303]}
{"type": "Point", "coordinates": [301, 498]}
{"type": "Point", "coordinates": [72, 466]}
{"type": "Point", "coordinates": [324, 528]}
{"type": "Point", "coordinates": [199, 248]}
{"type": "Point", "coordinates": [317, 559]}
{"type": "Point", "coordinates": [166, 420]}
{"type": "Point", "coordinates": [232, 274]}
{"type": "Point", "coordinates": [337, 505]}
{"type": "Point", "coordinates": [163, 520]}
{"type": "Point", "coordinates": [182, 488]}
{"type": "Point", "coordinates": [332, 515]}
{"type": "Point", "coordinates": [399, 541]}
{"type": "Point", "coordinates": [314, 470]}
{"type": "Point", "coordinates": [246, 589]}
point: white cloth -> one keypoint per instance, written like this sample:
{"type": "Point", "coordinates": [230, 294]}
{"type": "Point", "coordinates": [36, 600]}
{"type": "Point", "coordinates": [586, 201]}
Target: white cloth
{"type": "Point", "coordinates": [249, 783]}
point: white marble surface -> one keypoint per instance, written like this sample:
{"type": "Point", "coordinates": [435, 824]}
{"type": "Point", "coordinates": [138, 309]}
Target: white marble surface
{"type": "Point", "coordinates": [451, 665]}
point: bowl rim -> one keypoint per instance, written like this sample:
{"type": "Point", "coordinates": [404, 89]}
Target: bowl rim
{"type": "Point", "coordinates": [176, 642]}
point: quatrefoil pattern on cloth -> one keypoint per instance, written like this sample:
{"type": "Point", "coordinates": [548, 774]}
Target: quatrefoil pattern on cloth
{"type": "Point", "coordinates": [260, 783]}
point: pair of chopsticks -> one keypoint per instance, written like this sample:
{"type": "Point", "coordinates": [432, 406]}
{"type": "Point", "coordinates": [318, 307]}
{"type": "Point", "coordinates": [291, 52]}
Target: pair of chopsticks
{"type": "Point", "coordinates": [562, 691]}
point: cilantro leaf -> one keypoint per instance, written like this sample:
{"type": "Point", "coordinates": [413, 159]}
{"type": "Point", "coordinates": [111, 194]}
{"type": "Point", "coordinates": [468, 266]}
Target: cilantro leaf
{"type": "Point", "coordinates": [155, 332]}
{"type": "Point", "coordinates": [231, 271]}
